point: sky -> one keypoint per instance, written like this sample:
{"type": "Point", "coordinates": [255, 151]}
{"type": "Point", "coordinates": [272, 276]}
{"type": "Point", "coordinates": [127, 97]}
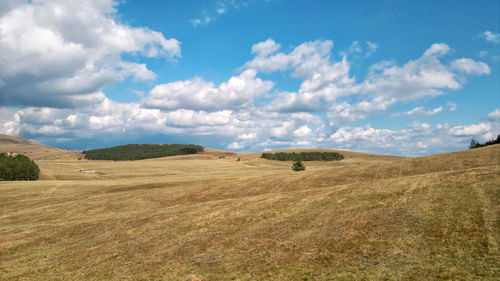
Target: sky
{"type": "Point", "coordinates": [392, 77]}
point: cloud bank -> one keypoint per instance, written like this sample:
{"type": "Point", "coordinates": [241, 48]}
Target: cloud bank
{"type": "Point", "coordinates": [57, 57]}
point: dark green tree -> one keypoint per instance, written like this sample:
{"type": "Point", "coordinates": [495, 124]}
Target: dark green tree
{"type": "Point", "coordinates": [17, 167]}
{"type": "Point", "coordinates": [473, 144]}
{"type": "Point", "coordinates": [303, 156]}
{"type": "Point", "coordinates": [298, 166]}
{"type": "Point", "coordinates": [141, 151]}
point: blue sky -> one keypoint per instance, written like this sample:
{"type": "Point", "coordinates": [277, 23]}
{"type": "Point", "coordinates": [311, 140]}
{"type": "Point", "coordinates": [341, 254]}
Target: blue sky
{"type": "Point", "coordinates": [393, 77]}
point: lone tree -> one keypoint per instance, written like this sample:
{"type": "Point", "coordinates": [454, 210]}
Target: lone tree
{"type": "Point", "coordinates": [474, 144]}
{"type": "Point", "coordinates": [298, 166]}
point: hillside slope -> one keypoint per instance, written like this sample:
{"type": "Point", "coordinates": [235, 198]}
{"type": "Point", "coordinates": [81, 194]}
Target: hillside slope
{"type": "Point", "coordinates": [32, 149]}
{"type": "Point", "coordinates": [215, 218]}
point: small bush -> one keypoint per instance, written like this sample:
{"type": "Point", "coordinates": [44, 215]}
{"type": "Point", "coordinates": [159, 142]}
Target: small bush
{"type": "Point", "coordinates": [298, 166]}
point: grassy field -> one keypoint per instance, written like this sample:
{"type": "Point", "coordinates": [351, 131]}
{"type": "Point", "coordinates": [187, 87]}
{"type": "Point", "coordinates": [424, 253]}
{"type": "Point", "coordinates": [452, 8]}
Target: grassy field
{"type": "Point", "coordinates": [210, 217]}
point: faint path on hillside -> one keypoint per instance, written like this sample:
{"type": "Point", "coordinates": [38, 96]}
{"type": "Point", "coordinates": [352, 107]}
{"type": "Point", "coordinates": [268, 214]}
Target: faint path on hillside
{"type": "Point", "coordinates": [52, 190]}
{"type": "Point", "coordinates": [489, 211]}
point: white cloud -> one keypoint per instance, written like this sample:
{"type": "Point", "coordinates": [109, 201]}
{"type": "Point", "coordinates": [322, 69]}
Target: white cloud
{"type": "Point", "coordinates": [235, 145]}
{"type": "Point", "coordinates": [437, 49]}
{"type": "Point", "coordinates": [324, 82]}
{"type": "Point", "coordinates": [416, 139]}
{"type": "Point", "coordinates": [221, 7]}
{"type": "Point", "coordinates": [372, 48]}
{"type": "Point", "coordinates": [416, 79]}
{"type": "Point", "coordinates": [202, 20]}
{"type": "Point", "coordinates": [420, 111]}
{"type": "Point", "coordinates": [303, 59]}
{"type": "Point", "coordinates": [471, 130]}
{"type": "Point", "coordinates": [8, 5]}
{"type": "Point", "coordinates": [470, 66]}
{"type": "Point", "coordinates": [491, 37]}
{"type": "Point", "coordinates": [190, 118]}
{"type": "Point", "coordinates": [249, 136]}
{"type": "Point", "coordinates": [51, 54]}
{"type": "Point", "coordinates": [451, 106]}
{"type": "Point", "coordinates": [199, 108]}
{"type": "Point", "coordinates": [265, 48]}
{"type": "Point", "coordinates": [283, 131]}
{"type": "Point", "coordinates": [355, 48]}
{"type": "Point", "coordinates": [137, 70]}
{"type": "Point", "coordinates": [302, 131]}
{"type": "Point", "coordinates": [198, 94]}
{"type": "Point", "coordinates": [494, 115]}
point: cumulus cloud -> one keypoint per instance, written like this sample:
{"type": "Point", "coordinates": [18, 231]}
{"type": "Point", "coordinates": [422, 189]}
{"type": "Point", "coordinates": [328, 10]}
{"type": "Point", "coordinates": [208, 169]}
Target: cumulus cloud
{"type": "Point", "coordinates": [198, 94]}
{"type": "Point", "coordinates": [235, 145]}
{"type": "Point", "coordinates": [494, 115]}
{"type": "Point", "coordinates": [302, 131]}
{"type": "Point", "coordinates": [419, 78]}
{"type": "Point", "coordinates": [302, 59]}
{"type": "Point", "coordinates": [470, 66]}
{"type": "Point", "coordinates": [113, 117]}
{"type": "Point", "coordinates": [249, 136]}
{"type": "Point", "coordinates": [314, 115]}
{"type": "Point", "coordinates": [53, 51]}
{"type": "Point", "coordinates": [471, 130]}
{"type": "Point", "coordinates": [265, 48]}
{"type": "Point", "coordinates": [418, 138]}
{"type": "Point", "coordinates": [437, 49]}
{"type": "Point", "coordinates": [325, 82]}
{"type": "Point", "coordinates": [322, 80]}
{"type": "Point", "coordinates": [8, 5]}
{"type": "Point", "coordinates": [491, 37]}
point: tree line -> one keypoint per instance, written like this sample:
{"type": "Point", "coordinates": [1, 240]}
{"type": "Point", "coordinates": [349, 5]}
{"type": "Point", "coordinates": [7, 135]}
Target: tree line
{"type": "Point", "coordinates": [476, 144]}
{"type": "Point", "coordinates": [19, 167]}
{"type": "Point", "coordinates": [303, 156]}
{"type": "Point", "coordinates": [141, 151]}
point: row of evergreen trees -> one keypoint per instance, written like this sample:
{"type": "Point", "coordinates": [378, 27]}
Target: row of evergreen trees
{"type": "Point", "coordinates": [19, 167]}
{"type": "Point", "coordinates": [141, 151]}
{"type": "Point", "coordinates": [303, 156]}
{"type": "Point", "coordinates": [476, 144]}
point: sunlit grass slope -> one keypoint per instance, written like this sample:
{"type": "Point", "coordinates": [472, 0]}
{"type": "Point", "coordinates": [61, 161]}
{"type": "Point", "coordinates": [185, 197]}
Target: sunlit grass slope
{"type": "Point", "coordinates": [210, 217]}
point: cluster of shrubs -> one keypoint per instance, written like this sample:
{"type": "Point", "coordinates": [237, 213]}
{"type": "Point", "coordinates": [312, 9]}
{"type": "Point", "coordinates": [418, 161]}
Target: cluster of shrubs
{"type": "Point", "coordinates": [303, 156]}
{"type": "Point", "coordinates": [475, 144]}
{"type": "Point", "coordinates": [298, 166]}
{"type": "Point", "coordinates": [141, 151]}
{"type": "Point", "coordinates": [19, 167]}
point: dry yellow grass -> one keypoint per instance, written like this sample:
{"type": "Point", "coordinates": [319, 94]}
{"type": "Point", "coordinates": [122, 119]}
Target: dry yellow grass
{"type": "Point", "coordinates": [210, 217]}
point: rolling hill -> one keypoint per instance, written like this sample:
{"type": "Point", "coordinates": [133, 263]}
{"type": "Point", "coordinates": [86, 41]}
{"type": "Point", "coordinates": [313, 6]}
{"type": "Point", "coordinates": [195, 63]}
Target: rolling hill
{"type": "Point", "coordinates": [209, 217]}
{"type": "Point", "coordinates": [34, 150]}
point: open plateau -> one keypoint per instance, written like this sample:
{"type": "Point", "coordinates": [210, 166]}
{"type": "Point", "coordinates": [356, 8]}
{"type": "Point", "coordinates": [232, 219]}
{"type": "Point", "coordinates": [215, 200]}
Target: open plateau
{"type": "Point", "coordinates": [219, 215]}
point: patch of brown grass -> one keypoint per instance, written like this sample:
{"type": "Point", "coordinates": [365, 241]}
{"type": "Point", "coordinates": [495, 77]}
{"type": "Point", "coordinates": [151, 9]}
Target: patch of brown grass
{"type": "Point", "coordinates": [203, 217]}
